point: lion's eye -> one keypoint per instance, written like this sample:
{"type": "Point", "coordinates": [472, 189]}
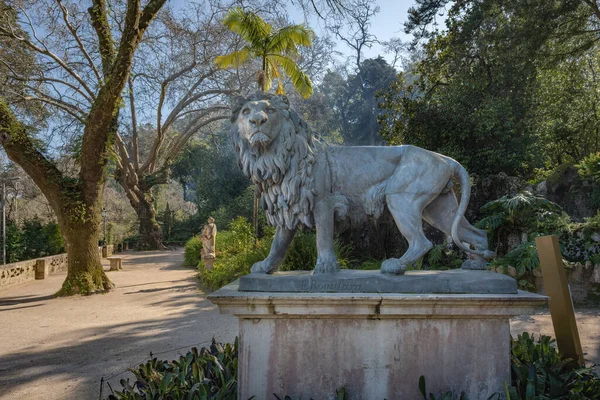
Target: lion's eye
{"type": "Point", "coordinates": [271, 110]}
{"type": "Point", "coordinates": [246, 111]}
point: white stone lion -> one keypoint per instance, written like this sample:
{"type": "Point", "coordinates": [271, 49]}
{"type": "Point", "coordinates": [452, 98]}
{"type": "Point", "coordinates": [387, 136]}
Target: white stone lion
{"type": "Point", "coordinates": [303, 181]}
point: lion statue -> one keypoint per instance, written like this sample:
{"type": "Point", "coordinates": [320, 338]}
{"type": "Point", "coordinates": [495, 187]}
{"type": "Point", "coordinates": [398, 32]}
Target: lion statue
{"type": "Point", "coordinates": [301, 180]}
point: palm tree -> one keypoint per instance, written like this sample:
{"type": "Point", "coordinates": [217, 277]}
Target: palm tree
{"type": "Point", "coordinates": [276, 48]}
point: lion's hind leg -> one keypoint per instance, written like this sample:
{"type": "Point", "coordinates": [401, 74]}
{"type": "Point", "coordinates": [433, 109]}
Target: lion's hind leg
{"type": "Point", "coordinates": [440, 214]}
{"type": "Point", "coordinates": [406, 210]}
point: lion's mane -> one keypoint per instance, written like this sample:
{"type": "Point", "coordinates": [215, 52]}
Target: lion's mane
{"type": "Point", "coordinates": [281, 173]}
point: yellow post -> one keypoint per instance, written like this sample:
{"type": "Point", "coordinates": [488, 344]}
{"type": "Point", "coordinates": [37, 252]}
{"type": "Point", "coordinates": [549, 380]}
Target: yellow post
{"type": "Point", "coordinates": [561, 304]}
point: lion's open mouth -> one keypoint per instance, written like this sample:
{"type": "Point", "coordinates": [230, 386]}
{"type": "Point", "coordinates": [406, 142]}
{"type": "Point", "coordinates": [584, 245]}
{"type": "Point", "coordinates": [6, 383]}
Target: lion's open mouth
{"type": "Point", "coordinates": [259, 139]}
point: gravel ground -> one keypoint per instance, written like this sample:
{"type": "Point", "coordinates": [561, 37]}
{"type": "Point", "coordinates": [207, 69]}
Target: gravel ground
{"type": "Point", "coordinates": [61, 348]}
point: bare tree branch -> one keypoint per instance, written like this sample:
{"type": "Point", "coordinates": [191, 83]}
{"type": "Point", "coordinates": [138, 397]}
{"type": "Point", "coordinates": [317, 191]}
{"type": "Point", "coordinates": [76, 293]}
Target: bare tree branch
{"type": "Point", "coordinates": [73, 31]}
{"type": "Point", "coordinates": [182, 139]}
{"type": "Point", "coordinates": [46, 52]}
{"type": "Point", "coordinates": [19, 78]}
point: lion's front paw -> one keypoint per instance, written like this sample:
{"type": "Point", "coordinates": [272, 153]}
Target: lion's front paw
{"type": "Point", "coordinates": [326, 266]}
{"type": "Point", "coordinates": [263, 267]}
{"type": "Point", "coordinates": [393, 266]}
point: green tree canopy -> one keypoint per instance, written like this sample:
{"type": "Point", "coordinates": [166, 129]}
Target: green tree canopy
{"type": "Point", "coordinates": [488, 82]}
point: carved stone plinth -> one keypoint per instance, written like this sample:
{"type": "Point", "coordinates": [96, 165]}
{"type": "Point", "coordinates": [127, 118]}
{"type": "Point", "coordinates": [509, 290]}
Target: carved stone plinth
{"type": "Point", "coordinates": [209, 262]}
{"type": "Point", "coordinates": [375, 345]}
{"type": "Point", "coordinates": [353, 281]}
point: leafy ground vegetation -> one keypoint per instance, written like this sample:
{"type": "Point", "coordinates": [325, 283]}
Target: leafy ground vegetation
{"type": "Point", "coordinates": [538, 373]}
{"type": "Point", "coordinates": [238, 248]}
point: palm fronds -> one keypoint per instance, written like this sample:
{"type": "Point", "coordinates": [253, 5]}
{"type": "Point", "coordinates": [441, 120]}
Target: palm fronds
{"type": "Point", "coordinates": [276, 48]}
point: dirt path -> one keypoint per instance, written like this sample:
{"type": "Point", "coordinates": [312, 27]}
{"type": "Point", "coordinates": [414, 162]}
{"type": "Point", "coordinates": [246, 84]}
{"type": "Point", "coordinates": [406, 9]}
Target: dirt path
{"type": "Point", "coordinates": [61, 348]}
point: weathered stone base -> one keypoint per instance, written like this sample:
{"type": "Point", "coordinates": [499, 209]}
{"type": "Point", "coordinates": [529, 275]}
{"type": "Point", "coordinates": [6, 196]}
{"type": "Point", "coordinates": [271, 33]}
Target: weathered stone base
{"type": "Point", "coordinates": [355, 281]}
{"type": "Point", "coordinates": [209, 262]}
{"type": "Point", "coordinates": [375, 345]}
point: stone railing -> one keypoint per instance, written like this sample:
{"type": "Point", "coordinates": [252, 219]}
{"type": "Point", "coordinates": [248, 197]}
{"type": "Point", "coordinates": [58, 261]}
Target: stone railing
{"type": "Point", "coordinates": [28, 270]}
{"type": "Point", "coordinates": [22, 271]}
{"type": "Point", "coordinates": [40, 268]}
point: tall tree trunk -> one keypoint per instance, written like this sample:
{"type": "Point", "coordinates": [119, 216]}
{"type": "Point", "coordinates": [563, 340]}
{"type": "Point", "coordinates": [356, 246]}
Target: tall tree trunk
{"type": "Point", "coordinates": [77, 201]}
{"type": "Point", "coordinates": [85, 274]}
{"type": "Point", "coordinates": [150, 234]}
{"type": "Point", "coordinates": [78, 216]}
{"type": "Point", "coordinates": [138, 190]}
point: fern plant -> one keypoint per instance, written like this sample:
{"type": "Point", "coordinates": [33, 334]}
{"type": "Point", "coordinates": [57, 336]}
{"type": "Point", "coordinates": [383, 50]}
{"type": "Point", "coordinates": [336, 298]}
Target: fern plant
{"type": "Point", "coordinates": [524, 258]}
{"type": "Point", "coordinates": [523, 213]}
{"type": "Point", "coordinates": [442, 257]}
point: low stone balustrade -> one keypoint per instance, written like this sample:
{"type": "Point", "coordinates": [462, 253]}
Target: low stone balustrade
{"type": "Point", "coordinates": [39, 268]}
{"type": "Point", "coordinates": [28, 270]}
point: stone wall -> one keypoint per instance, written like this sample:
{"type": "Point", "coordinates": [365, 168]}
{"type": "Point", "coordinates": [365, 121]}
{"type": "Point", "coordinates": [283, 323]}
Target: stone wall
{"type": "Point", "coordinates": [23, 271]}
{"type": "Point", "coordinates": [57, 263]}
{"type": "Point", "coordinates": [14, 273]}
{"type": "Point", "coordinates": [584, 283]}
{"type": "Point", "coordinates": [583, 280]}
{"type": "Point", "coordinates": [39, 268]}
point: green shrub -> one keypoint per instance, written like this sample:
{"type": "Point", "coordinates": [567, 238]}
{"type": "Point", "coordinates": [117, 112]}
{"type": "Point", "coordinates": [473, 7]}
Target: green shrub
{"type": "Point", "coordinates": [521, 213]}
{"type": "Point", "coordinates": [192, 252]}
{"type": "Point", "coordinates": [369, 264]}
{"type": "Point", "coordinates": [590, 225]}
{"type": "Point", "coordinates": [538, 372]}
{"type": "Point", "coordinates": [448, 395]}
{"type": "Point", "coordinates": [210, 374]}
{"type": "Point", "coordinates": [524, 258]}
{"type": "Point", "coordinates": [238, 238]}
{"type": "Point", "coordinates": [54, 240]}
{"type": "Point", "coordinates": [237, 249]}
{"type": "Point", "coordinates": [302, 253]}
{"type": "Point", "coordinates": [14, 250]}
{"type": "Point", "coordinates": [589, 167]}
{"type": "Point", "coordinates": [33, 240]}
{"type": "Point", "coordinates": [228, 268]}
{"type": "Point", "coordinates": [441, 257]}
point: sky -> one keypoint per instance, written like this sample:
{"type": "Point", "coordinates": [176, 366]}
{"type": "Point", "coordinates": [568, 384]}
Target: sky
{"type": "Point", "coordinates": [387, 24]}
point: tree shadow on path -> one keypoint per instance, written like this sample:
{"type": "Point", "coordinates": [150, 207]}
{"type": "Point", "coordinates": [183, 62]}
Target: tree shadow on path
{"type": "Point", "coordinates": [184, 318]}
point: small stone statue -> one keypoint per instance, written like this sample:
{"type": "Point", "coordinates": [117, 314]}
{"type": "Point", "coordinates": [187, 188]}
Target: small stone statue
{"type": "Point", "coordinates": [208, 237]}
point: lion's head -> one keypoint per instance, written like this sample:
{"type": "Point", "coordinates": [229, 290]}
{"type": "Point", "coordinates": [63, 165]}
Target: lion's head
{"type": "Point", "coordinates": [274, 149]}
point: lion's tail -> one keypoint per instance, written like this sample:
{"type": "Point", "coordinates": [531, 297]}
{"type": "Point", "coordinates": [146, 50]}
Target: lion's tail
{"type": "Point", "coordinates": [465, 188]}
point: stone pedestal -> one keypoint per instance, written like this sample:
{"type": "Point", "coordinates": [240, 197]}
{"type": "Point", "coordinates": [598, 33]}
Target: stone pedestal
{"type": "Point", "coordinates": [115, 263]}
{"type": "Point", "coordinates": [41, 271]}
{"type": "Point", "coordinates": [209, 262]}
{"type": "Point", "coordinates": [375, 345]}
